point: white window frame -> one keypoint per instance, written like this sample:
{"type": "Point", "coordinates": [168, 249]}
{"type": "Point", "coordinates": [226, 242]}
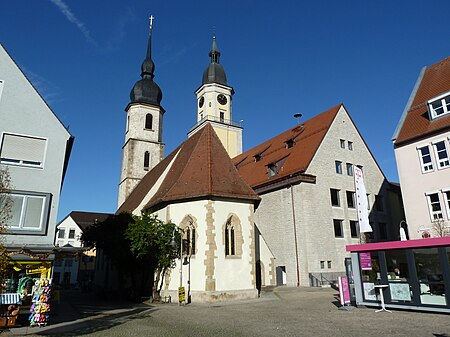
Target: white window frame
{"type": "Point", "coordinates": [446, 201]}
{"type": "Point", "coordinates": [19, 228]}
{"type": "Point", "coordinates": [434, 215]}
{"type": "Point", "coordinates": [441, 163]}
{"type": "Point", "coordinates": [445, 100]}
{"type": "Point", "coordinates": [342, 143]}
{"type": "Point", "coordinates": [23, 163]}
{"type": "Point", "coordinates": [425, 167]}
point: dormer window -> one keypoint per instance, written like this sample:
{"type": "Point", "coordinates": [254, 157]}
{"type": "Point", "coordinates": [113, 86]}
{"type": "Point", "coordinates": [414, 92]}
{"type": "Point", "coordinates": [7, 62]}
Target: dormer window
{"type": "Point", "coordinates": [439, 106]}
{"type": "Point", "coordinates": [257, 157]}
{"type": "Point", "coordinates": [289, 143]}
{"type": "Point", "coordinates": [274, 168]}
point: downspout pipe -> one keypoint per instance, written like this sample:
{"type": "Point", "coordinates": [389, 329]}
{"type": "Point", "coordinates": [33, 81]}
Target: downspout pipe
{"type": "Point", "coordinates": [295, 235]}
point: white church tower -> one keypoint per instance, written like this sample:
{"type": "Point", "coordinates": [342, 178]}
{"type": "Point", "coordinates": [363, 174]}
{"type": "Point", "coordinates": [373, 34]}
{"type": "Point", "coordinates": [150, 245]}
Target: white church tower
{"type": "Point", "coordinates": [214, 98]}
{"type": "Point", "coordinates": [143, 147]}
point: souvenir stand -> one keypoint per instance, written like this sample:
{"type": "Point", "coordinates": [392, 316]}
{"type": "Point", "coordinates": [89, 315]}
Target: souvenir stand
{"type": "Point", "coordinates": [40, 309]}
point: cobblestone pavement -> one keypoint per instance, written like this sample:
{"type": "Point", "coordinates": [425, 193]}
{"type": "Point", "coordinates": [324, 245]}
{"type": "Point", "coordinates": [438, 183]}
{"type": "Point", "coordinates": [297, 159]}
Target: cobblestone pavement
{"type": "Point", "coordinates": [282, 312]}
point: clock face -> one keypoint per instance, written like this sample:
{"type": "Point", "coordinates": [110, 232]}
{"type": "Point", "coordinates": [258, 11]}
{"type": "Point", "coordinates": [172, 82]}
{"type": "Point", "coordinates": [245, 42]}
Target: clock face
{"type": "Point", "coordinates": [222, 99]}
{"type": "Point", "coordinates": [201, 101]}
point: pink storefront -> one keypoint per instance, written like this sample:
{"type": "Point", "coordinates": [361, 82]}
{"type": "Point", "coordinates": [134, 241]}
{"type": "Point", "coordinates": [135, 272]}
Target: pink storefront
{"type": "Point", "coordinates": [412, 274]}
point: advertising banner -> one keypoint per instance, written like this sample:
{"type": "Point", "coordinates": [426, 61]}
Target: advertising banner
{"type": "Point", "coordinates": [361, 202]}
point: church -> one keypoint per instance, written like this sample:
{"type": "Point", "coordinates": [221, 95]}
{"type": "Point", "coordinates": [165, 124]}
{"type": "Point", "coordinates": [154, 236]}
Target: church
{"type": "Point", "coordinates": [278, 214]}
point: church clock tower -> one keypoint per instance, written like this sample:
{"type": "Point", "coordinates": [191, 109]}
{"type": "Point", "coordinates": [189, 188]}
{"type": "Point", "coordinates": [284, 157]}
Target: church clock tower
{"type": "Point", "coordinates": [214, 98]}
{"type": "Point", "coordinates": [143, 147]}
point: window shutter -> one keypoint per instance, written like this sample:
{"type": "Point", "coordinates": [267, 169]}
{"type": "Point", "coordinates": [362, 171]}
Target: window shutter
{"type": "Point", "coordinates": [23, 148]}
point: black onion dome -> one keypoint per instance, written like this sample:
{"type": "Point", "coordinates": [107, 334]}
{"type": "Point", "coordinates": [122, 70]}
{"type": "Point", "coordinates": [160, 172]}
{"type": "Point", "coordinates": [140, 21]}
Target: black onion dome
{"type": "Point", "coordinates": [215, 72]}
{"type": "Point", "coordinates": [146, 90]}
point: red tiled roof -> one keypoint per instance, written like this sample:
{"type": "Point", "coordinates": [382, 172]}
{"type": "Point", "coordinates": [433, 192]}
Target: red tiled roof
{"type": "Point", "coordinates": [201, 169]}
{"type": "Point", "coordinates": [306, 137]}
{"type": "Point", "coordinates": [435, 81]}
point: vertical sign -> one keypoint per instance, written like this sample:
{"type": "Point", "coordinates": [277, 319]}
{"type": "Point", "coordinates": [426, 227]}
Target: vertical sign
{"type": "Point", "coordinates": [365, 261]}
{"type": "Point", "coordinates": [361, 201]}
{"type": "Point", "coordinates": [344, 291]}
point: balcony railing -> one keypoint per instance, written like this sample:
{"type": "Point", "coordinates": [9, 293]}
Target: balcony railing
{"type": "Point", "coordinates": [216, 120]}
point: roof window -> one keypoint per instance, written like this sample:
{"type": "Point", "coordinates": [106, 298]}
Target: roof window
{"type": "Point", "coordinates": [274, 168]}
{"type": "Point", "coordinates": [439, 106]}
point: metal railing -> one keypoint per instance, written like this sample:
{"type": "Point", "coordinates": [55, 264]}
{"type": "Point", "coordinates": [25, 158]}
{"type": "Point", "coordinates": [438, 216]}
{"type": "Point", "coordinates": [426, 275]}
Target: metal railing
{"type": "Point", "coordinates": [217, 120]}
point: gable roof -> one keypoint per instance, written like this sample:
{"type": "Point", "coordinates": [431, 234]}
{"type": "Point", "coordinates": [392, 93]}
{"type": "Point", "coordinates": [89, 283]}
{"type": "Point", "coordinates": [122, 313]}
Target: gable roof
{"type": "Point", "coordinates": [200, 168]}
{"type": "Point", "coordinates": [415, 123]}
{"type": "Point", "coordinates": [293, 160]}
{"type": "Point", "coordinates": [70, 140]}
{"type": "Point", "coordinates": [85, 219]}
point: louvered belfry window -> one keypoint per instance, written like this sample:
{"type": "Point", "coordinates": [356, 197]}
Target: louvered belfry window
{"type": "Point", "coordinates": [22, 150]}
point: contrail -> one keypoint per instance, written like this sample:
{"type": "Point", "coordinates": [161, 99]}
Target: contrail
{"type": "Point", "coordinates": [65, 10]}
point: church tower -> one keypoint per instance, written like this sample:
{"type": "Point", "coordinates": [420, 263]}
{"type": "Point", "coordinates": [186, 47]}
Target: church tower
{"type": "Point", "coordinates": [214, 102]}
{"type": "Point", "coordinates": [143, 147]}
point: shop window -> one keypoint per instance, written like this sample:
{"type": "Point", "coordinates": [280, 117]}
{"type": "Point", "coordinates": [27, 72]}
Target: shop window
{"type": "Point", "coordinates": [430, 276]}
{"type": "Point", "coordinates": [350, 199]}
{"type": "Point", "coordinates": [334, 197]}
{"type": "Point", "coordinates": [338, 232]}
{"type": "Point", "coordinates": [354, 228]}
{"type": "Point", "coordinates": [338, 166]}
{"type": "Point", "coordinates": [398, 276]}
{"type": "Point", "coordinates": [370, 274]}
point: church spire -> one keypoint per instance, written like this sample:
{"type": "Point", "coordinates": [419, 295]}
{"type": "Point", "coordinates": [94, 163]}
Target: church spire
{"type": "Point", "coordinates": [148, 67]}
{"type": "Point", "coordinates": [214, 54]}
{"type": "Point", "coordinates": [146, 90]}
{"type": "Point", "coordinates": [215, 72]}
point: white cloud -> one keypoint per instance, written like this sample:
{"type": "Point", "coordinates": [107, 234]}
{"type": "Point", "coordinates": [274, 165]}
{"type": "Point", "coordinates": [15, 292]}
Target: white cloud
{"type": "Point", "coordinates": [65, 10]}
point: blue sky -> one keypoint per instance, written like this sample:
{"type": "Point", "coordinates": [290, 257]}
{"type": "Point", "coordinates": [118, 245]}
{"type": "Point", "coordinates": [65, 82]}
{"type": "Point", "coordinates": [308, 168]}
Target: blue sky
{"type": "Point", "coordinates": [281, 57]}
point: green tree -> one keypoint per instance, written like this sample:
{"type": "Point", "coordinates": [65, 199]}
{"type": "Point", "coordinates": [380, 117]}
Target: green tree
{"type": "Point", "coordinates": [5, 215]}
{"type": "Point", "coordinates": [109, 236]}
{"type": "Point", "coordinates": [155, 243]}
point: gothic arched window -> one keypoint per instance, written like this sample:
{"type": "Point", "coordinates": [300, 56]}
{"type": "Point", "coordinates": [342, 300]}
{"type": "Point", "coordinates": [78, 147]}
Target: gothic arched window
{"type": "Point", "coordinates": [230, 243]}
{"type": "Point", "coordinates": [233, 240]}
{"type": "Point", "coordinates": [188, 226]}
{"type": "Point", "coordinates": [149, 121]}
{"type": "Point", "coordinates": [146, 160]}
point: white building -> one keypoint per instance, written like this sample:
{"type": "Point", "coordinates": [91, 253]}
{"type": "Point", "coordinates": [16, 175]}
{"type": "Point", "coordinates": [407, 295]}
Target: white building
{"type": "Point", "coordinates": [35, 148]}
{"type": "Point", "coordinates": [73, 265]}
{"type": "Point", "coordinates": [421, 143]}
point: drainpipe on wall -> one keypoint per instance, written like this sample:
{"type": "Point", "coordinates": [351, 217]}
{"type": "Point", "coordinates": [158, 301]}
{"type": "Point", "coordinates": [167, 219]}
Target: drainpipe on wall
{"type": "Point", "coordinates": [295, 235]}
